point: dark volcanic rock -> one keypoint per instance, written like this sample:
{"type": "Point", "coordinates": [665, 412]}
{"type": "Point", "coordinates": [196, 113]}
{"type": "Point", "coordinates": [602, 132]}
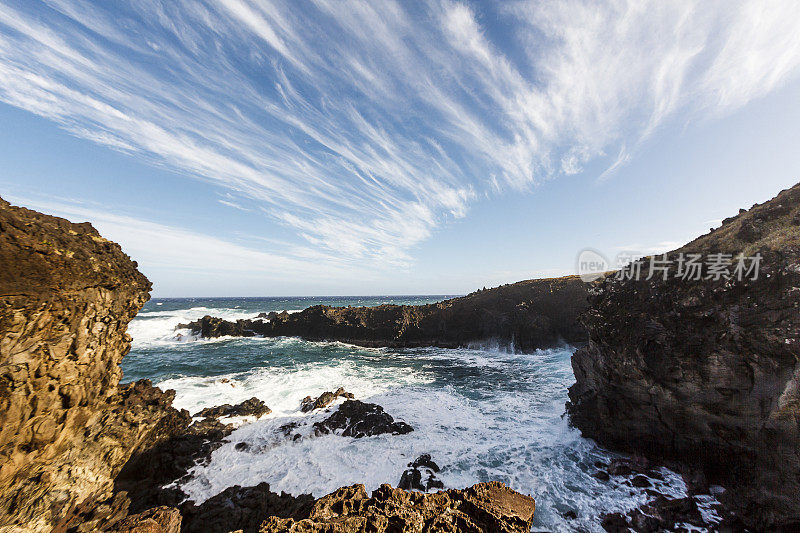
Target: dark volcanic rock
{"type": "Point", "coordinates": [483, 507]}
{"type": "Point", "coordinates": [529, 314]}
{"type": "Point", "coordinates": [358, 419]}
{"type": "Point", "coordinates": [704, 373]}
{"type": "Point", "coordinates": [421, 475]}
{"type": "Point", "coordinates": [251, 407]}
{"type": "Point", "coordinates": [243, 508]}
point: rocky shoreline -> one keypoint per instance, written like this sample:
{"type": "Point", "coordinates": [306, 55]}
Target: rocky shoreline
{"type": "Point", "coordinates": [527, 315]}
{"type": "Point", "coordinates": [703, 374]}
{"type": "Point", "coordinates": [79, 452]}
{"type": "Point", "coordinates": [700, 376]}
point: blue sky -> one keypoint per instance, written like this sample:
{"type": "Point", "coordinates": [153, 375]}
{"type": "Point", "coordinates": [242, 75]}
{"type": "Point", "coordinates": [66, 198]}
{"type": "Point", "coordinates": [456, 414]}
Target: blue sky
{"type": "Point", "coordinates": [243, 147]}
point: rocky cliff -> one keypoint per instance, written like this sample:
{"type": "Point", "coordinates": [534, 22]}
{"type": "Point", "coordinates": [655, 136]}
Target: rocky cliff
{"type": "Point", "coordinates": [66, 427]}
{"type": "Point", "coordinates": [528, 314]}
{"type": "Point", "coordinates": [704, 373]}
{"type": "Point", "coordinates": [81, 453]}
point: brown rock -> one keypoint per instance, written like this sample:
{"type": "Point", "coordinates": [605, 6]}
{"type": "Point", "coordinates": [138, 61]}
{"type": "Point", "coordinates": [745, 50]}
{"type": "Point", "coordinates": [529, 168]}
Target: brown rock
{"type": "Point", "coordinates": [485, 507]}
{"type": "Point", "coordinates": [64, 309]}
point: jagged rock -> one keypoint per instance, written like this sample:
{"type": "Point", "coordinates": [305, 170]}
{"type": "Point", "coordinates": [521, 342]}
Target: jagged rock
{"type": "Point", "coordinates": [421, 475]}
{"type": "Point", "coordinates": [251, 407]}
{"type": "Point", "coordinates": [66, 297]}
{"type": "Point", "coordinates": [703, 374]}
{"type": "Point", "coordinates": [156, 520]}
{"type": "Point", "coordinates": [323, 400]}
{"type": "Point", "coordinates": [243, 508]}
{"type": "Point", "coordinates": [358, 419]}
{"type": "Point", "coordinates": [481, 508]}
{"type": "Point", "coordinates": [169, 458]}
{"type": "Point", "coordinates": [530, 314]}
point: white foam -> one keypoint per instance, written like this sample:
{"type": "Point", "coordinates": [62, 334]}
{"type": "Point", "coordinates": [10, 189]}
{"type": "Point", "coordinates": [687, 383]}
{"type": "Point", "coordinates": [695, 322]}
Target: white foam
{"type": "Point", "coordinates": [500, 433]}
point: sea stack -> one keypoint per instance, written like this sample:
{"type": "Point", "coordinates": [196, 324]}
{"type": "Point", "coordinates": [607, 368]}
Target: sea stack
{"type": "Point", "coordinates": [704, 373]}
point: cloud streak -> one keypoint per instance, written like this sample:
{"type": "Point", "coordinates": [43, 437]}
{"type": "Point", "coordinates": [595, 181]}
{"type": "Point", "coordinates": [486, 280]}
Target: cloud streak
{"type": "Point", "coordinates": [364, 126]}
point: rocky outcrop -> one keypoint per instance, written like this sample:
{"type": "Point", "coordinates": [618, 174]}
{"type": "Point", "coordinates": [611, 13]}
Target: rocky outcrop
{"type": "Point", "coordinates": [308, 403]}
{"type": "Point", "coordinates": [481, 508]}
{"type": "Point", "coordinates": [528, 315]}
{"type": "Point", "coordinates": [358, 419]}
{"type": "Point", "coordinates": [421, 475]}
{"type": "Point", "coordinates": [704, 373]}
{"type": "Point", "coordinates": [66, 428]}
{"type": "Point", "coordinates": [252, 407]}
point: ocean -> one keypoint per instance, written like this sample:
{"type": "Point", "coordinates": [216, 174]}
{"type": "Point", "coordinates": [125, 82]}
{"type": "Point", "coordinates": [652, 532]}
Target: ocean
{"type": "Point", "coordinates": [482, 413]}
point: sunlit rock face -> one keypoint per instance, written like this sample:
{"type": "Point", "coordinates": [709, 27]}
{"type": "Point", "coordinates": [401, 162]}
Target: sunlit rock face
{"type": "Point", "coordinates": [66, 427]}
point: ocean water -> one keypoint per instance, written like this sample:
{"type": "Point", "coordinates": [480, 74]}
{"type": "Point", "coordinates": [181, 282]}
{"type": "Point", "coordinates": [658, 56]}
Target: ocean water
{"type": "Point", "coordinates": [482, 413]}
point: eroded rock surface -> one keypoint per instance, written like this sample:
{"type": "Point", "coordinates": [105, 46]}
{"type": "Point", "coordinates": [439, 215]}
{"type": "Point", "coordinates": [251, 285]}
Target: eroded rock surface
{"type": "Point", "coordinates": [705, 373]}
{"type": "Point", "coordinates": [66, 297]}
{"type": "Point", "coordinates": [528, 314]}
{"type": "Point", "coordinates": [482, 508]}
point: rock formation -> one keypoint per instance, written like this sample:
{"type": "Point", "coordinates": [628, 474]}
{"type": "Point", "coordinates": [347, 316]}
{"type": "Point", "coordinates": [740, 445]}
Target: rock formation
{"type": "Point", "coordinates": [485, 507]}
{"type": "Point", "coordinates": [67, 297]}
{"type": "Point", "coordinates": [323, 400]}
{"type": "Point", "coordinates": [528, 315]}
{"type": "Point", "coordinates": [704, 373]}
{"type": "Point", "coordinates": [358, 419]}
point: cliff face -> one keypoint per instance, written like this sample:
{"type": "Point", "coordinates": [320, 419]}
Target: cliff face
{"type": "Point", "coordinates": [529, 314]}
{"type": "Point", "coordinates": [66, 428]}
{"type": "Point", "coordinates": [705, 373]}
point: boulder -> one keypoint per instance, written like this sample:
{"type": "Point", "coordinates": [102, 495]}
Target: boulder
{"type": "Point", "coordinates": [358, 419]}
{"type": "Point", "coordinates": [323, 400]}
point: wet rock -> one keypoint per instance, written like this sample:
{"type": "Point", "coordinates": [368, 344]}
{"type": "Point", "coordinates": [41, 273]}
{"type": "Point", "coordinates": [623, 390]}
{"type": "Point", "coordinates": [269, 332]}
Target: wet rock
{"type": "Point", "coordinates": [570, 515]}
{"type": "Point", "coordinates": [712, 386]}
{"type": "Point", "coordinates": [323, 400]}
{"type": "Point", "coordinates": [640, 481]}
{"type": "Point", "coordinates": [614, 523]}
{"type": "Point", "coordinates": [481, 508]}
{"type": "Point", "coordinates": [251, 407]}
{"type": "Point", "coordinates": [241, 447]}
{"type": "Point", "coordinates": [421, 475]}
{"type": "Point", "coordinates": [602, 475]}
{"type": "Point", "coordinates": [358, 419]}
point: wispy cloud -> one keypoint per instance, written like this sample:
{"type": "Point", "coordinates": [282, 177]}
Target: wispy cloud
{"type": "Point", "coordinates": [364, 126]}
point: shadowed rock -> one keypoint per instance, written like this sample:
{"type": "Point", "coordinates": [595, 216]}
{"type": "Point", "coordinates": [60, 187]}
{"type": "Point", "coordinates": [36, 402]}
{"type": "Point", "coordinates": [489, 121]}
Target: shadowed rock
{"type": "Point", "coordinates": [704, 374]}
{"type": "Point", "coordinates": [528, 315]}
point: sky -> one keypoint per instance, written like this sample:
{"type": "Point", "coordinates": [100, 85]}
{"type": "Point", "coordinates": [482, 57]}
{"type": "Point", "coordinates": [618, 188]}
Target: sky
{"type": "Point", "coordinates": [255, 148]}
